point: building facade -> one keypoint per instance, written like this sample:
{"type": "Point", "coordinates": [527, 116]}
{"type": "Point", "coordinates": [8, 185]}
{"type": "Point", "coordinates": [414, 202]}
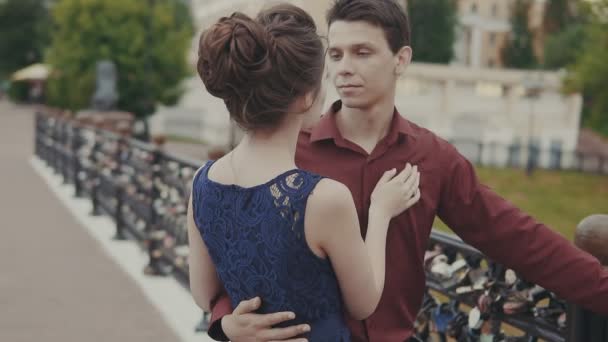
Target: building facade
{"type": "Point", "coordinates": [484, 27]}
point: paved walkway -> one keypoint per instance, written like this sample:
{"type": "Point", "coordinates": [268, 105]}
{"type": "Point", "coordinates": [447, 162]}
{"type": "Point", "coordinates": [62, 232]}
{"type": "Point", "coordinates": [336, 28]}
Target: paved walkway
{"type": "Point", "coordinates": [56, 282]}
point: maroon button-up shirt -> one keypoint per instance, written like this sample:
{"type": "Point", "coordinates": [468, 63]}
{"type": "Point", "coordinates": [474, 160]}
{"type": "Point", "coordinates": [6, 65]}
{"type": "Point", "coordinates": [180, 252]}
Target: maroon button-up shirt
{"type": "Point", "coordinates": [449, 189]}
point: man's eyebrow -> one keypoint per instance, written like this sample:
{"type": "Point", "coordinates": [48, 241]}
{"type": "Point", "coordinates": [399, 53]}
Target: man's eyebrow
{"type": "Point", "coordinates": [352, 46]}
{"type": "Point", "coordinates": [365, 45]}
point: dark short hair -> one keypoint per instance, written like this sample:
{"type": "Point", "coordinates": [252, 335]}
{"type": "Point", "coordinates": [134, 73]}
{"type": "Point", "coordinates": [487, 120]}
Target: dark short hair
{"type": "Point", "coordinates": [260, 66]}
{"type": "Point", "coordinates": [386, 14]}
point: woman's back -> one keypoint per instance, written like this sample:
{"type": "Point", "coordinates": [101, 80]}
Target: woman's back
{"type": "Point", "coordinates": [256, 238]}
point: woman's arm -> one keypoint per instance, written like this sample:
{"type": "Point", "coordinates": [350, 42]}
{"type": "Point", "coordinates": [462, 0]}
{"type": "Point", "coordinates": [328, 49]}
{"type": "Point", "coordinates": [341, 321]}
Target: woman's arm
{"type": "Point", "coordinates": [331, 223]}
{"type": "Point", "coordinates": [204, 282]}
{"type": "Point", "coordinates": [331, 219]}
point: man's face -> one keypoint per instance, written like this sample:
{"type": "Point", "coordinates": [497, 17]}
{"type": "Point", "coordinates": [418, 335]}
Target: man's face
{"type": "Point", "coordinates": [361, 64]}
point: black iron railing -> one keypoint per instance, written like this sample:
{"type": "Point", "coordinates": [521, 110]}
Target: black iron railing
{"type": "Point", "coordinates": [145, 190]}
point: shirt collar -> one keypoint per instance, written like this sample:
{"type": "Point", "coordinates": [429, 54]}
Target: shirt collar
{"type": "Point", "coordinates": [327, 128]}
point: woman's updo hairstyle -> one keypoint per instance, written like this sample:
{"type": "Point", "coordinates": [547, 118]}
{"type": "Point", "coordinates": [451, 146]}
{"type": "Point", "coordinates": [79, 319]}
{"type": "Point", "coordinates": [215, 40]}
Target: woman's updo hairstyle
{"type": "Point", "coordinates": [259, 67]}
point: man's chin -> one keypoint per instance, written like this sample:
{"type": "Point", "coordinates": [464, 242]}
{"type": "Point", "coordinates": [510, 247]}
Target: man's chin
{"type": "Point", "coordinates": [352, 102]}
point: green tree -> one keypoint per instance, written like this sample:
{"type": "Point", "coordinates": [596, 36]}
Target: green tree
{"type": "Point", "coordinates": [589, 74]}
{"type": "Point", "coordinates": [433, 24]}
{"type": "Point", "coordinates": [24, 27]}
{"type": "Point", "coordinates": [146, 40]}
{"type": "Point", "coordinates": [558, 15]}
{"type": "Point", "coordinates": [563, 47]}
{"type": "Point", "coordinates": [564, 31]}
{"type": "Point", "coordinates": [518, 52]}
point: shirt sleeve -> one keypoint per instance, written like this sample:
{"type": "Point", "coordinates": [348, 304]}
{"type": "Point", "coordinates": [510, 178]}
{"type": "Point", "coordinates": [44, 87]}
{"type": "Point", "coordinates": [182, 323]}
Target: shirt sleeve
{"type": "Point", "coordinates": [220, 307]}
{"type": "Point", "coordinates": [509, 236]}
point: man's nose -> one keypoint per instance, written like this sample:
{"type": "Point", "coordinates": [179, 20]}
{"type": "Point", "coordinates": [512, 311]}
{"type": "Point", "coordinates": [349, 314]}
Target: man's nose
{"type": "Point", "coordinates": [345, 66]}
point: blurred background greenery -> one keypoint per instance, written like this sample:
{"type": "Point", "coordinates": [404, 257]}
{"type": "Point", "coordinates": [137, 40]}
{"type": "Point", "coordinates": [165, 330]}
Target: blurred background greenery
{"type": "Point", "coordinates": [147, 40]}
{"type": "Point", "coordinates": [559, 199]}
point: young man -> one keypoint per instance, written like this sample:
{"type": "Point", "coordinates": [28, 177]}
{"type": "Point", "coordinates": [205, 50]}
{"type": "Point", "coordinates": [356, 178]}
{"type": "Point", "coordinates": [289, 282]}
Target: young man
{"type": "Point", "coordinates": [362, 136]}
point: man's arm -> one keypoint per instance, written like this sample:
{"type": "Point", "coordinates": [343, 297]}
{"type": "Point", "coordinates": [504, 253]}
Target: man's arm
{"type": "Point", "coordinates": [243, 324]}
{"type": "Point", "coordinates": [511, 237]}
{"type": "Point", "coordinates": [220, 307]}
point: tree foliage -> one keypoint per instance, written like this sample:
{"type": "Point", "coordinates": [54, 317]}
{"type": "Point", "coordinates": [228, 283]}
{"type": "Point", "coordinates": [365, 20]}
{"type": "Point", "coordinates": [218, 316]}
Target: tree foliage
{"type": "Point", "coordinates": [589, 74]}
{"type": "Point", "coordinates": [146, 39]}
{"type": "Point", "coordinates": [24, 27]}
{"type": "Point", "coordinates": [563, 47]}
{"type": "Point", "coordinates": [558, 15]}
{"type": "Point", "coordinates": [518, 51]}
{"type": "Point", "coordinates": [433, 24]}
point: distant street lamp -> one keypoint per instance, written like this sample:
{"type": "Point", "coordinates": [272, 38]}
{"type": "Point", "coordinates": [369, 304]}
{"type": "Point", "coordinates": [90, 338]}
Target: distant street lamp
{"type": "Point", "coordinates": [533, 86]}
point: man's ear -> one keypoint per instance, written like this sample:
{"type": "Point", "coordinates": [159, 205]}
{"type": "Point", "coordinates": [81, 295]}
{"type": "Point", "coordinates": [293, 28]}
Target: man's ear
{"type": "Point", "coordinates": [404, 58]}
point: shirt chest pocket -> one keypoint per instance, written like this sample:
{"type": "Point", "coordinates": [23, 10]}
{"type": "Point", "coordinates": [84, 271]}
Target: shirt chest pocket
{"type": "Point", "coordinates": [430, 186]}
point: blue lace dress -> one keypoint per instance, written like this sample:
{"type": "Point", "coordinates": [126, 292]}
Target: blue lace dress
{"type": "Point", "coordinates": [255, 237]}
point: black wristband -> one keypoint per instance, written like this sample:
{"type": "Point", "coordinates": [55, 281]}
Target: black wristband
{"type": "Point", "coordinates": [216, 331]}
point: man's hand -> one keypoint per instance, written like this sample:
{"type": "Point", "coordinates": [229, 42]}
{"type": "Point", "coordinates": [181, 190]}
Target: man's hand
{"type": "Point", "coordinates": [244, 325]}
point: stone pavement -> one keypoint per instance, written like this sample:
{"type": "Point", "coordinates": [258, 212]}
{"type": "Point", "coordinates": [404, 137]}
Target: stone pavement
{"type": "Point", "coordinates": [56, 283]}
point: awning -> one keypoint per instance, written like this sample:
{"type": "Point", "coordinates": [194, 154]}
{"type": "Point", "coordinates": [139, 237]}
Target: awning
{"type": "Point", "coordinates": [33, 72]}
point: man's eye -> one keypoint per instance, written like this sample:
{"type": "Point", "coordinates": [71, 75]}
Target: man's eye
{"type": "Point", "coordinates": [334, 56]}
{"type": "Point", "coordinates": [363, 53]}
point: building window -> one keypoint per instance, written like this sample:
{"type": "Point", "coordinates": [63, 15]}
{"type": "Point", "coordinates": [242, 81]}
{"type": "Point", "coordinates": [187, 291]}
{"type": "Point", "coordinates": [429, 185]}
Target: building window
{"type": "Point", "coordinates": [474, 8]}
{"type": "Point", "coordinates": [492, 39]}
{"type": "Point", "coordinates": [491, 63]}
{"type": "Point", "coordinates": [494, 10]}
